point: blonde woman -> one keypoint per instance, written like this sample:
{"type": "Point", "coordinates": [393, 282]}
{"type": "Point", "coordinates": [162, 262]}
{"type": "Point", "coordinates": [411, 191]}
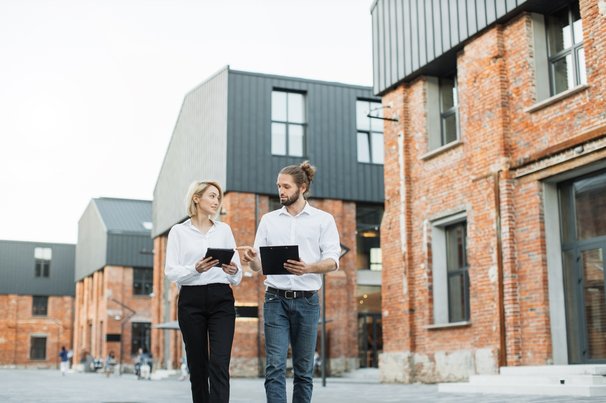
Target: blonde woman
{"type": "Point", "coordinates": [206, 302]}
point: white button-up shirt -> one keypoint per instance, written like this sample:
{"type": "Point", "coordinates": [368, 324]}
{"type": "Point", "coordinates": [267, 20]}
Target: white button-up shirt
{"type": "Point", "coordinates": [313, 230]}
{"type": "Point", "coordinates": [187, 245]}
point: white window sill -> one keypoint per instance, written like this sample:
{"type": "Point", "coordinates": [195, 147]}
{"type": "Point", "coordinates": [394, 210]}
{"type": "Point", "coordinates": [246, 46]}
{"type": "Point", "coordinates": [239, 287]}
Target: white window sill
{"type": "Point", "coordinates": [441, 150]}
{"type": "Point", "coordinates": [438, 326]}
{"type": "Point", "coordinates": [556, 98]}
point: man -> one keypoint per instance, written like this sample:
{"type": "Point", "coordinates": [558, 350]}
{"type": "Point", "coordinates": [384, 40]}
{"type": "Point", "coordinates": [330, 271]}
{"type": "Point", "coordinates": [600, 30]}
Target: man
{"type": "Point", "coordinates": [291, 309]}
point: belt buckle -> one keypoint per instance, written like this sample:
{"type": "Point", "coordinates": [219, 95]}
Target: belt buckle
{"type": "Point", "coordinates": [290, 294]}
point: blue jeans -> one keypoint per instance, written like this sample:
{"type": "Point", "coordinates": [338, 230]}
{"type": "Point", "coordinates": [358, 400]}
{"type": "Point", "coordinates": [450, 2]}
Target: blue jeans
{"type": "Point", "coordinates": [295, 320]}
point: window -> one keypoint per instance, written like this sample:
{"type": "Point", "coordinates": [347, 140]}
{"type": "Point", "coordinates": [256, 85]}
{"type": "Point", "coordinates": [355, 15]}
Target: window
{"type": "Point", "coordinates": [40, 305]}
{"type": "Point", "coordinates": [143, 281]}
{"type": "Point", "coordinates": [140, 336]}
{"type": "Point", "coordinates": [370, 131]}
{"type": "Point", "coordinates": [42, 257]}
{"type": "Point", "coordinates": [450, 270]}
{"type": "Point", "coordinates": [442, 111]}
{"type": "Point", "coordinates": [245, 311]}
{"type": "Point", "coordinates": [287, 123]}
{"type": "Point", "coordinates": [37, 349]}
{"type": "Point", "coordinates": [565, 49]}
{"type": "Point", "coordinates": [456, 268]}
{"type": "Point", "coordinates": [368, 236]}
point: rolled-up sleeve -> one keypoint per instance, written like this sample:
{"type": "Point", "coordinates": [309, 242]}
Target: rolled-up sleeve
{"type": "Point", "coordinates": [173, 269]}
{"type": "Point", "coordinates": [330, 245]}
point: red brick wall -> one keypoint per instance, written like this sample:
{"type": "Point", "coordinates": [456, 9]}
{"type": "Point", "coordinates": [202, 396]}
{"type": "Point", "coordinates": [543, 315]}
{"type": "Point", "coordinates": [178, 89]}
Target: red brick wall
{"type": "Point", "coordinates": [17, 325]}
{"type": "Point", "coordinates": [496, 88]}
{"type": "Point", "coordinates": [99, 312]}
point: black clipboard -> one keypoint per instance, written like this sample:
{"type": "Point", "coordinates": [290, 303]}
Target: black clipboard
{"type": "Point", "coordinates": [223, 255]}
{"type": "Point", "coordinates": [274, 257]}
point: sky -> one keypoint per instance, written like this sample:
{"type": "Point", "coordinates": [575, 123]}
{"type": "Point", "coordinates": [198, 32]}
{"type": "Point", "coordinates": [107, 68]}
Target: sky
{"type": "Point", "coordinates": [90, 90]}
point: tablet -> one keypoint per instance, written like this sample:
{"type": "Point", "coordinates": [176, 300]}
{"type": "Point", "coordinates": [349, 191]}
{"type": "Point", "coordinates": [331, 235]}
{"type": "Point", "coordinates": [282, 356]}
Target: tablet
{"type": "Point", "coordinates": [274, 257]}
{"type": "Point", "coordinates": [223, 255]}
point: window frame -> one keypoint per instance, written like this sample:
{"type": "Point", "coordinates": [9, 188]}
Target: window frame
{"type": "Point", "coordinates": [368, 133]}
{"type": "Point", "coordinates": [32, 347]}
{"type": "Point", "coordinates": [436, 115]}
{"type": "Point", "coordinates": [572, 51]}
{"type": "Point", "coordinates": [440, 273]}
{"type": "Point", "coordinates": [288, 124]}
{"type": "Point", "coordinates": [148, 279]}
{"type": "Point", "coordinates": [37, 309]}
{"type": "Point", "coordinates": [142, 336]}
{"type": "Point", "coordinates": [42, 264]}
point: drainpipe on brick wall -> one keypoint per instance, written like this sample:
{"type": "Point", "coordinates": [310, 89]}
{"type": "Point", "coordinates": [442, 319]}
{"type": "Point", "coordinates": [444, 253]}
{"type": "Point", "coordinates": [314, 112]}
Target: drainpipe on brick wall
{"type": "Point", "coordinates": [260, 370]}
{"type": "Point", "coordinates": [500, 276]}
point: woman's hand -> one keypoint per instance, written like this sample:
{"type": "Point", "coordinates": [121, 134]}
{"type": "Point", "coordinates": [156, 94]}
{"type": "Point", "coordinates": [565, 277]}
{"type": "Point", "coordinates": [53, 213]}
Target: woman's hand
{"type": "Point", "coordinates": [230, 269]}
{"type": "Point", "coordinates": [206, 264]}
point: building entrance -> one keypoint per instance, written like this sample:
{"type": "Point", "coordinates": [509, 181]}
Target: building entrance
{"type": "Point", "coordinates": [583, 215]}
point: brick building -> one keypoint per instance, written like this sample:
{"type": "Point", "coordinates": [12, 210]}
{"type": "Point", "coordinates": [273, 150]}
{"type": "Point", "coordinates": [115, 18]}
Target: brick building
{"type": "Point", "coordinates": [113, 279]}
{"type": "Point", "coordinates": [36, 302]}
{"type": "Point", "coordinates": [493, 235]}
{"type": "Point", "coordinates": [240, 128]}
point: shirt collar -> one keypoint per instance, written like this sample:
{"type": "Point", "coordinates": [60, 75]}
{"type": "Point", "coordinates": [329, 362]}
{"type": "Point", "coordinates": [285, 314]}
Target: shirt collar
{"type": "Point", "coordinates": [189, 224]}
{"type": "Point", "coordinates": [307, 209]}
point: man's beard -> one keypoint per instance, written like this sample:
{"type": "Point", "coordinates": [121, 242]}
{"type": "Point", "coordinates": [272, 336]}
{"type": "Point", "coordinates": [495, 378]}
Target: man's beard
{"type": "Point", "coordinates": [291, 199]}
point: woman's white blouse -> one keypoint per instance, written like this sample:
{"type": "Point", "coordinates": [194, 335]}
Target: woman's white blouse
{"type": "Point", "coordinates": [187, 245]}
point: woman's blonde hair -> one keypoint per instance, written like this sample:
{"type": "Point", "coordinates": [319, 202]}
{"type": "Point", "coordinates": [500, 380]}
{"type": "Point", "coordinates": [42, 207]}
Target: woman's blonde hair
{"type": "Point", "coordinates": [197, 188]}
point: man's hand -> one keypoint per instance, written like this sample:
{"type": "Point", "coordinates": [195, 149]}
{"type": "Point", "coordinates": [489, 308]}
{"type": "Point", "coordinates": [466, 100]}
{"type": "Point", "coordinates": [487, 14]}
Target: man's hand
{"type": "Point", "coordinates": [206, 264]}
{"type": "Point", "coordinates": [297, 267]}
{"type": "Point", "coordinates": [249, 256]}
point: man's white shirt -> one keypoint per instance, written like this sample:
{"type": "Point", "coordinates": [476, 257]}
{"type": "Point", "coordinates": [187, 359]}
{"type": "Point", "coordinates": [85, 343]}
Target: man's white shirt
{"type": "Point", "coordinates": [313, 230]}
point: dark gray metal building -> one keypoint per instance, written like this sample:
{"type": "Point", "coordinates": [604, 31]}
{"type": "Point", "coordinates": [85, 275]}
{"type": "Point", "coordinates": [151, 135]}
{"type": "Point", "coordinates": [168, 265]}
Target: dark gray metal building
{"type": "Point", "coordinates": [422, 37]}
{"type": "Point", "coordinates": [229, 129]}
{"type": "Point", "coordinates": [114, 232]}
{"type": "Point", "coordinates": [37, 268]}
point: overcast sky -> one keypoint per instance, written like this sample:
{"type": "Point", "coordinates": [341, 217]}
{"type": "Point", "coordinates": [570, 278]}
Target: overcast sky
{"type": "Point", "coordinates": [90, 89]}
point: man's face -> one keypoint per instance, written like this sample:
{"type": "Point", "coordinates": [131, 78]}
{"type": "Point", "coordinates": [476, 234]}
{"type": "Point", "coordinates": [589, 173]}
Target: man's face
{"type": "Point", "coordinates": [288, 190]}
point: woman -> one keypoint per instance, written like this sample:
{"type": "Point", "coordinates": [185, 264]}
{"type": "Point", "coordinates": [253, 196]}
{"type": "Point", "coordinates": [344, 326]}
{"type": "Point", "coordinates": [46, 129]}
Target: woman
{"type": "Point", "coordinates": [206, 302]}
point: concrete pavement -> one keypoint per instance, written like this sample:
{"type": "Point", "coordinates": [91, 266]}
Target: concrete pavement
{"type": "Point", "coordinates": [30, 385]}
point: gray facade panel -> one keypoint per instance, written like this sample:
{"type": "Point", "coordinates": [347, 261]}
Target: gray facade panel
{"type": "Point", "coordinates": [197, 150]}
{"type": "Point", "coordinates": [17, 269]}
{"type": "Point", "coordinates": [111, 232]}
{"type": "Point", "coordinates": [413, 37]}
{"type": "Point", "coordinates": [331, 143]}
{"type": "Point", "coordinates": [129, 250]}
{"type": "Point", "coordinates": [92, 242]}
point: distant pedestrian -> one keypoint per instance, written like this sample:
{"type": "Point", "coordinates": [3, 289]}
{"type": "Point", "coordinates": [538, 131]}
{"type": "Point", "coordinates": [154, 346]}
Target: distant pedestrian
{"type": "Point", "coordinates": [110, 364]}
{"type": "Point", "coordinates": [65, 356]}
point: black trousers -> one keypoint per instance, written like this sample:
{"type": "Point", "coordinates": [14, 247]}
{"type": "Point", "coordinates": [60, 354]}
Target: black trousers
{"type": "Point", "coordinates": [207, 320]}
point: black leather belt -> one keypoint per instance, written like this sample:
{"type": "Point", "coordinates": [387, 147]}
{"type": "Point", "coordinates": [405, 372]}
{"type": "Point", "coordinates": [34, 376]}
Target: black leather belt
{"type": "Point", "coordinates": [290, 294]}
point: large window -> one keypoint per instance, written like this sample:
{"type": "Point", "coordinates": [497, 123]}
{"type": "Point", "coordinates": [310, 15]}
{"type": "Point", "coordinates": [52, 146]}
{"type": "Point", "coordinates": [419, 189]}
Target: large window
{"type": "Point", "coordinates": [287, 123]}
{"type": "Point", "coordinates": [143, 280]}
{"type": "Point", "coordinates": [448, 110]}
{"type": "Point", "coordinates": [140, 336]}
{"type": "Point", "coordinates": [368, 236]}
{"type": "Point", "coordinates": [37, 348]}
{"type": "Point", "coordinates": [456, 269]}
{"type": "Point", "coordinates": [442, 111]}
{"type": "Point", "coordinates": [40, 305]}
{"type": "Point", "coordinates": [370, 131]}
{"type": "Point", "coordinates": [450, 270]}
{"type": "Point", "coordinates": [42, 258]}
{"type": "Point", "coordinates": [565, 49]}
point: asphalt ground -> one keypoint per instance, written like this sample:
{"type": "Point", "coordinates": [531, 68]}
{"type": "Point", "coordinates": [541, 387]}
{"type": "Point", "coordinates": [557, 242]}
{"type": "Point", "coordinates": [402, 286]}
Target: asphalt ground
{"type": "Point", "coordinates": [32, 385]}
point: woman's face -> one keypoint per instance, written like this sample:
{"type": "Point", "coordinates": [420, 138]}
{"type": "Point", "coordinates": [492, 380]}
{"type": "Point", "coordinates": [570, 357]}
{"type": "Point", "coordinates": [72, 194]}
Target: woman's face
{"type": "Point", "coordinates": [208, 203]}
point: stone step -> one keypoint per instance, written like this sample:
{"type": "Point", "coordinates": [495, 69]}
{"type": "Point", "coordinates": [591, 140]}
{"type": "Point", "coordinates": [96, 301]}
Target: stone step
{"type": "Point", "coordinates": [585, 369]}
{"type": "Point", "coordinates": [524, 389]}
{"type": "Point", "coordinates": [538, 379]}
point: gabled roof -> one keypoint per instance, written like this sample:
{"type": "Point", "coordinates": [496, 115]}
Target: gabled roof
{"type": "Point", "coordinates": [125, 215]}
